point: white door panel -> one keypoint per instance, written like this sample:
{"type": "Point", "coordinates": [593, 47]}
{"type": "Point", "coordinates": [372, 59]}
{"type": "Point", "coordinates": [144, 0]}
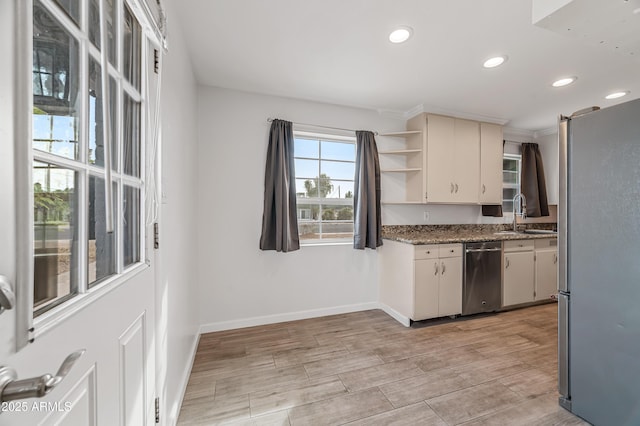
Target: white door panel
{"type": "Point", "coordinates": [7, 184]}
{"type": "Point", "coordinates": [113, 383]}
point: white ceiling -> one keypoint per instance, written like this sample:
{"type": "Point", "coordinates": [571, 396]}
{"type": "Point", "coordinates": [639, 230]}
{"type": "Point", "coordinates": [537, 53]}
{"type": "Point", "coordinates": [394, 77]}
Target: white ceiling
{"type": "Point", "coordinates": [337, 51]}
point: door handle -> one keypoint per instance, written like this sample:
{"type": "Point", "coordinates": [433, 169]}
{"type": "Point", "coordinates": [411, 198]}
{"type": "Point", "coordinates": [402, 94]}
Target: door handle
{"type": "Point", "coordinates": [456, 188]}
{"type": "Point", "coordinates": [435, 266]}
{"type": "Point", "coordinates": [34, 387]}
{"type": "Point", "coordinates": [452, 187]}
{"type": "Point", "coordinates": [506, 259]}
{"type": "Point", "coordinates": [7, 297]}
{"type": "Point", "coordinates": [484, 188]}
{"type": "Point", "coordinates": [443, 268]}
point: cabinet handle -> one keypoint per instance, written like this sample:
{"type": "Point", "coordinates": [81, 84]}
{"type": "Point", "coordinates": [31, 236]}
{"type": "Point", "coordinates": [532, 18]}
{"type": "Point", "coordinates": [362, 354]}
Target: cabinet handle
{"type": "Point", "coordinates": [443, 268]}
{"type": "Point", "coordinates": [555, 258]}
{"type": "Point", "coordinates": [435, 265]}
{"type": "Point", "coordinates": [452, 187]}
{"type": "Point", "coordinates": [506, 260]}
{"type": "Point", "coordinates": [484, 188]}
{"type": "Point", "coordinates": [456, 188]}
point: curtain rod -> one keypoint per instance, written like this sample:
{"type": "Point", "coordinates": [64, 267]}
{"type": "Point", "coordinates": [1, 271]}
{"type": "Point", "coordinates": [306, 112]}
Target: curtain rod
{"type": "Point", "coordinates": [323, 127]}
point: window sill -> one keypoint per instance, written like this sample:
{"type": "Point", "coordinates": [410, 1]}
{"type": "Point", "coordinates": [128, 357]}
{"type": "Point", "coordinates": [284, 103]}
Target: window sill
{"type": "Point", "coordinates": [50, 319]}
{"type": "Point", "coordinates": [319, 243]}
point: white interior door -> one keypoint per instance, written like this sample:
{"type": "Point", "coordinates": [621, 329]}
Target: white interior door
{"type": "Point", "coordinates": [113, 321]}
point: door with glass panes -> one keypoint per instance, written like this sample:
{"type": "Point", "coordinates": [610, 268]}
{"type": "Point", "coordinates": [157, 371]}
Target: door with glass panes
{"type": "Point", "coordinates": [73, 275]}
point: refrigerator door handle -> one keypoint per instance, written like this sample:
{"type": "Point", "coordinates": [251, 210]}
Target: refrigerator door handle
{"type": "Point", "coordinates": [563, 145]}
{"type": "Point", "coordinates": [563, 351]}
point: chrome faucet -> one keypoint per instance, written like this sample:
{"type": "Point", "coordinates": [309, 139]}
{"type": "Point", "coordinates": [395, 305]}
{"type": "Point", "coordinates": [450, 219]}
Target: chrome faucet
{"type": "Point", "coordinates": [520, 210]}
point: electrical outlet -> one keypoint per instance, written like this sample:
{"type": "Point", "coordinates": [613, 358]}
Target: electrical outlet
{"type": "Point", "coordinates": [426, 215]}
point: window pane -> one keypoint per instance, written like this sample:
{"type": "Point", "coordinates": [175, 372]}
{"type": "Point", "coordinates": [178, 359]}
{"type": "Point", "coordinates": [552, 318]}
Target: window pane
{"type": "Point", "coordinates": [319, 187]}
{"type": "Point", "coordinates": [131, 225]}
{"type": "Point", "coordinates": [113, 106]}
{"type": "Point", "coordinates": [305, 188]}
{"type": "Point", "coordinates": [337, 221]}
{"type": "Point", "coordinates": [94, 22]}
{"type": "Point", "coordinates": [510, 164]}
{"type": "Point", "coordinates": [55, 86]}
{"type": "Point", "coordinates": [131, 136]}
{"type": "Point", "coordinates": [96, 130]}
{"type": "Point", "coordinates": [338, 151]}
{"type": "Point", "coordinates": [306, 148]}
{"type": "Point", "coordinates": [337, 170]}
{"type": "Point", "coordinates": [338, 188]}
{"type": "Point", "coordinates": [112, 37]}
{"type": "Point", "coordinates": [55, 235]}
{"type": "Point", "coordinates": [132, 49]}
{"type": "Point", "coordinates": [306, 169]}
{"type": "Point", "coordinates": [72, 7]}
{"type": "Point", "coordinates": [102, 246]}
{"type": "Point", "coordinates": [510, 177]}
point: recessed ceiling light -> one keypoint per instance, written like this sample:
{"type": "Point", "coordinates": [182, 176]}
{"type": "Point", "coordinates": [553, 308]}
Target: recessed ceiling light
{"type": "Point", "coordinates": [564, 81]}
{"type": "Point", "coordinates": [494, 62]}
{"type": "Point", "coordinates": [400, 35]}
{"type": "Point", "coordinates": [616, 95]}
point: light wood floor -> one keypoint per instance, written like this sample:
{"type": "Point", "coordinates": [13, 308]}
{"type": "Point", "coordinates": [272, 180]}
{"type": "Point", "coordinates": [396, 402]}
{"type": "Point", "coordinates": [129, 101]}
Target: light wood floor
{"type": "Point", "coordinates": [364, 368]}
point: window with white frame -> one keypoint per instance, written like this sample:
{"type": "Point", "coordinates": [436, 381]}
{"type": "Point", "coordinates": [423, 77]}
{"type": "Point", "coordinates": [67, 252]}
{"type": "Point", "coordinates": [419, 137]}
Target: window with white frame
{"type": "Point", "coordinates": [73, 248]}
{"type": "Point", "coordinates": [325, 170]}
{"type": "Point", "coordinates": [511, 164]}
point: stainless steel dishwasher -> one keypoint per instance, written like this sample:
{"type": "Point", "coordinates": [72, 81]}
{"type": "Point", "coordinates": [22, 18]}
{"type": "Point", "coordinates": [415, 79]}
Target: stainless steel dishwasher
{"type": "Point", "coordinates": [482, 283]}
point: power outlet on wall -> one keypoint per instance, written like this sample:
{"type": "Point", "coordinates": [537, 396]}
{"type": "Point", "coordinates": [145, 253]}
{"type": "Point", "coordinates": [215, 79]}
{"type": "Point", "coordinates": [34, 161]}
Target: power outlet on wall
{"type": "Point", "coordinates": [426, 216]}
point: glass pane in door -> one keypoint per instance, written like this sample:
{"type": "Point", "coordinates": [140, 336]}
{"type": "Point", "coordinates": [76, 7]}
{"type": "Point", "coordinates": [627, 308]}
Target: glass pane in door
{"type": "Point", "coordinates": [56, 106]}
{"type": "Point", "coordinates": [55, 202]}
{"type": "Point", "coordinates": [72, 7]}
{"type": "Point", "coordinates": [131, 225]}
{"type": "Point", "coordinates": [102, 244]}
{"type": "Point", "coordinates": [131, 48]}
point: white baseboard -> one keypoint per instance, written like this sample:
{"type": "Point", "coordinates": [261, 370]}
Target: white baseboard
{"type": "Point", "coordinates": [185, 380]}
{"type": "Point", "coordinates": [291, 316]}
{"type": "Point", "coordinates": [396, 315]}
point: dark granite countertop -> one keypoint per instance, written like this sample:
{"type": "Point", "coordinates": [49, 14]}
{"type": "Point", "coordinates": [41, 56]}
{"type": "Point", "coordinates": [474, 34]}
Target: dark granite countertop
{"type": "Point", "coordinates": [443, 234]}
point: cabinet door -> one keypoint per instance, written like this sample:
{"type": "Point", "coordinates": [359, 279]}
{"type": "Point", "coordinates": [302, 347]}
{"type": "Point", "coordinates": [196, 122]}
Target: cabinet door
{"type": "Point", "coordinates": [546, 274]}
{"type": "Point", "coordinates": [491, 151]}
{"type": "Point", "coordinates": [440, 155]}
{"type": "Point", "coordinates": [466, 165]}
{"type": "Point", "coordinates": [426, 277]}
{"type": "Point", "coordinates": [518, 284]}
{"type": "Point", "coordinates": [450, 287]}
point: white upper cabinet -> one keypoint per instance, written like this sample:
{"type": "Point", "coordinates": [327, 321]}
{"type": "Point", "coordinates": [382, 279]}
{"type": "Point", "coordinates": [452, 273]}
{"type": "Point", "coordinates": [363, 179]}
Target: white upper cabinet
{"type": "Point", "coordinates": [491, 152]}
{"type": "Point", "coordinates": [453, 160]}
{"type": "Point", "coordinates": [443, 160]}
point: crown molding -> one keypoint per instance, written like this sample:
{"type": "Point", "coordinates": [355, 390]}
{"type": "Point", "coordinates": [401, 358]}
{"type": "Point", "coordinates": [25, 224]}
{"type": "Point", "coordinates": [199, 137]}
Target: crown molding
{"type": "Point", "coordinates": [517, 135]}
{"type": "Point", "coordinates": [457, 114]}
{"type": "Point", "coordinates": [545, 132]}
{"type": "Point", "coordinates": [412, 112]}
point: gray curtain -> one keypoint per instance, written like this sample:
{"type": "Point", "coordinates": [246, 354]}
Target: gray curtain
{"type": "Point", "coordinates": [533, 184]}
{"type": "Point", "coordinates": [493, 210]}
{"type": "Point", "coordinates": [367, 222]}
{"type": "Point", "coordinates": [279, 218]}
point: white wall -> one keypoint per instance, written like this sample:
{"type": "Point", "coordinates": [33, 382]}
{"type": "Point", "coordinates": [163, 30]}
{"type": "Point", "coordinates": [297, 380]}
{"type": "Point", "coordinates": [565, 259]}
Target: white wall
{"type": "Point", "coordinates": [177, 269]}
{"type": "Point", "coordinates": [239, 283]}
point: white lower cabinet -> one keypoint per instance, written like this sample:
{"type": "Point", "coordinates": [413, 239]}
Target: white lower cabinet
{"type": "Point", "coordinates": [518, 272]}
{"type": "Point", "coordinates": [530, 271]}
{"type": "Point", "coordinates": [422, 281]}
{"type": "Point", "coordinates": [546, 256]}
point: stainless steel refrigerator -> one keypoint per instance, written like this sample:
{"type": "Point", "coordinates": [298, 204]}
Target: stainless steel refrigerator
{"type": "Point", "coordinates": [599, 273]}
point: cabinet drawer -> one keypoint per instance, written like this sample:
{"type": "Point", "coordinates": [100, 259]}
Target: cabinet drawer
{"type": "Point", "coordinates": [425, 252]}
{"type": "Point", "coordinates": [518, 245]}
{"type": "Point", "coordinates": [450, 250]}
{"type": "Point", "coordinates": [547, 243]}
